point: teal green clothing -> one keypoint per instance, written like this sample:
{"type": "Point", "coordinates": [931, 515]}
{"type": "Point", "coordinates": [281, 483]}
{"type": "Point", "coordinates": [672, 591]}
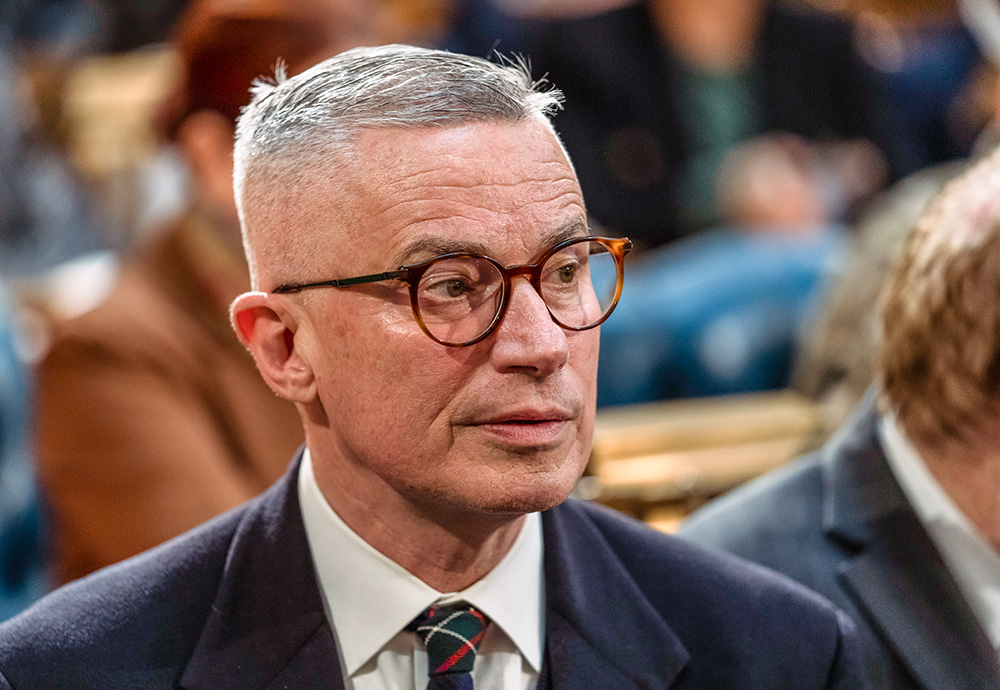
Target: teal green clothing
{"type": "Point", "coordinates": [719, 111]}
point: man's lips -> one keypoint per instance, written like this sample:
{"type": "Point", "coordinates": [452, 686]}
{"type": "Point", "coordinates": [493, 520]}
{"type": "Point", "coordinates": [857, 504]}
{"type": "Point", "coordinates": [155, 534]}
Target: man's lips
{"type": "Point", "coordinates": [525, 417]}
{"type": "Point", "coordinates": [526, 427]}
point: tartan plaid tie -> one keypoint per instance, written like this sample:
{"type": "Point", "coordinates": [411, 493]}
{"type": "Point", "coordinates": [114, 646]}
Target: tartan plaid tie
{"type": "Point", "coordinates": [452, 635]}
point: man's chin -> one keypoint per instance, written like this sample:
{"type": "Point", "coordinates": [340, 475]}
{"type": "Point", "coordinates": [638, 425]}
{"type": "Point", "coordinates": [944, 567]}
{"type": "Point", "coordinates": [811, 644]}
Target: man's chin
{"type": "Point", "coordinates": [507, 486]}
{"type": "Point", "coordinates": [530, 500]}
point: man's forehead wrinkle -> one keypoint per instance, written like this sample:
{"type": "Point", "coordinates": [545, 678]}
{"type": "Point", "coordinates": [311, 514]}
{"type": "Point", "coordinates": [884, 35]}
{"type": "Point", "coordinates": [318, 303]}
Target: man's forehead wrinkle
{"type": "Point", "coordinates": [428, 155]}
{"type": "Point", "coordinates": [482, 207]}
{"type": "Point", "coordinates": [493, 172]}
{"type": "Point", "coordinates": [426, 202]}
{"type": "Point", "coordinates": [411, 189]}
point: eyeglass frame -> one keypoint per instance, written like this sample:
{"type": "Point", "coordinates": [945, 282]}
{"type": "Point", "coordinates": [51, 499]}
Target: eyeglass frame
{"type": "Point", "coordinates": [411, 274]}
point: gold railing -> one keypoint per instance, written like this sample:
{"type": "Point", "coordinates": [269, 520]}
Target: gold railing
{"type": "Point", "coordinates": [658, 461]}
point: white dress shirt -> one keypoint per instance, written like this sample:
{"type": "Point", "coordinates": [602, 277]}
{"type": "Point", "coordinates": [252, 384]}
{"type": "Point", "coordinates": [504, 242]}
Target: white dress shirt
{"type": "Point", "coordinates": [370, 599]}
{"type": "Point", "coordinates": [970, 559]}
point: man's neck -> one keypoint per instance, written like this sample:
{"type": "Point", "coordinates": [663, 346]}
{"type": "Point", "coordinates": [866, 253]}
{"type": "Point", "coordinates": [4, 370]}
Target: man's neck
{"type": "Point", "coordinates": [970, 475]}
{"type": "Point", "coordinates": [449, 558]}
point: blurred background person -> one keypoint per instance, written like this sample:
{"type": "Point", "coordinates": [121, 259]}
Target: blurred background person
{"type": "Point", "coordinates": [835, 363]}
{"type": "Point", "coordinates": [658, 92]}
{"type": "Point", "coordinates": [151, 416]}
{"type": "Point", "coordinates": [719, 312]}
{"type": "Point", "coordinates": [897, 519]}
{"type": "Point", "coordinates": [45, 215]}
{"type": "Point", "coordinates": [45, 219]}
{"type": "Point", "coordinates": [733, 140]}
{"type": "Point", "coordinates": [934, 65]}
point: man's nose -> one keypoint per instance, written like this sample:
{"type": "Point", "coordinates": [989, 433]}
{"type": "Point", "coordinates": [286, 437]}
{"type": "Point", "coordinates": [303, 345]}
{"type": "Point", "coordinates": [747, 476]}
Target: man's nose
{"type": "Point", "coordinates": [528, 340]}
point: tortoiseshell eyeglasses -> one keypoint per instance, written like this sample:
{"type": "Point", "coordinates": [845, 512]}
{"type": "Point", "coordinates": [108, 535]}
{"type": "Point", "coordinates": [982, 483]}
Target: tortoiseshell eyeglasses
{"type": "Point", "coordinates": [458, 299]}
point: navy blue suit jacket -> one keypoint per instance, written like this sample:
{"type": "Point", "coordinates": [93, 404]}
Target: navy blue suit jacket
{"type": "Point", "coordinates": [838, 522]}
{"type": "Point", "coordinates": [236, 604]}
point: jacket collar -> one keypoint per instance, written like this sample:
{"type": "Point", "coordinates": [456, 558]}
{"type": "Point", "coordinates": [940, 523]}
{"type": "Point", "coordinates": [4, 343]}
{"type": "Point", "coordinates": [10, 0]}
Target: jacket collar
{"type": "Point", "coordinates": [267, 627]}
{"type": "Point", "coordinates": [601, 630]}
{"type": "Point", "coordinates": [893, 571]}
{"type": "Point", "coordinates": [859, 490]}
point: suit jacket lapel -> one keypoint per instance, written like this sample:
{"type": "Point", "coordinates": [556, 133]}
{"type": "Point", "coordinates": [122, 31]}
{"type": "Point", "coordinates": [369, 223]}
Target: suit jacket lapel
{"type": "Point", "coordinates": [896, 576]}
{"type": "Point", "coordinates": [601, 631]}
{"type": "Point", "coordinates": [267, 627]}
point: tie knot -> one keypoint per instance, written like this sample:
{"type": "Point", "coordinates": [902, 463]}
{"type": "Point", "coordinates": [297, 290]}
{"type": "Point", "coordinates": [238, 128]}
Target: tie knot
{"type": "Point", "coordinates": [451, 635]}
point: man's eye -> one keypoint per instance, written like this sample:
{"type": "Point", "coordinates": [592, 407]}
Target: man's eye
{"type": "Point", "coordinates": [566, 273]}
{"type": "Point", "coordinates": [456, 288]}
{"type": "Point", "coordinates": [450, 287]}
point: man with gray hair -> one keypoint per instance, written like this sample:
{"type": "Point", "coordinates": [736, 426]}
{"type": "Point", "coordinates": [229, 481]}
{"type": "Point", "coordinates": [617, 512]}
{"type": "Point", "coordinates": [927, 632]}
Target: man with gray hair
{"type": "Point", "coordinates": [426, 291]}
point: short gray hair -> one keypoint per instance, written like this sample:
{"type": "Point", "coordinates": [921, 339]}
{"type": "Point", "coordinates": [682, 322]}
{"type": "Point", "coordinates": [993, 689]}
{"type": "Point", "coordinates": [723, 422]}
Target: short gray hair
{"type": "Point", "coordinates": [311, 120]}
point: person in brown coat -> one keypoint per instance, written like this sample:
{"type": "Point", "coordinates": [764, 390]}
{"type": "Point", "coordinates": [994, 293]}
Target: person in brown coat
{"type": "Point", "coordinates": [151, 415]}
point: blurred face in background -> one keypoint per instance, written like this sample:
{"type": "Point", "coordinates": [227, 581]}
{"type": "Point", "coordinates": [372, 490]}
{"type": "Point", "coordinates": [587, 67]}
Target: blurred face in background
{"type": "Point", "coordinates": [223, 46]}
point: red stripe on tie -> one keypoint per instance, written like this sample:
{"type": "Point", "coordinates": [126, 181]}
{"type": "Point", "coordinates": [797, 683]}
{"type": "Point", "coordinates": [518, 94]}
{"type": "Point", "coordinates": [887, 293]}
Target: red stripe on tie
{"type": "Point", "coordinates": [465, 649]}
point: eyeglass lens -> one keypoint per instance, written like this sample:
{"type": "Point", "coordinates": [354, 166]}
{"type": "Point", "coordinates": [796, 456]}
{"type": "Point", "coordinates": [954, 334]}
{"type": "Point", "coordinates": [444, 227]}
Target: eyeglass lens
{"type": "Point", "coordinates": [459, 298]}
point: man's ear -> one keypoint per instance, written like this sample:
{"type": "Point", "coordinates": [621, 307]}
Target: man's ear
{"type": "Point", "coordinates": [267, 328]}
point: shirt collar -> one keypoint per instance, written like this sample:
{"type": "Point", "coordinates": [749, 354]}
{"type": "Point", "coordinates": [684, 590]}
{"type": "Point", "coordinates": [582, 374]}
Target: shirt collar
{"type": "Point", "coordinates": [928, 499]}
{"type": "Point", "coordinates": [970, 559]}
{"type": "Point", "coordinates": [374, 598]}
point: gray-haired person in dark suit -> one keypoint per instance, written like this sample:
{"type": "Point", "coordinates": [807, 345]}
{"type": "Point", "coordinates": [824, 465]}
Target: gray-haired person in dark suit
{"type": "Point", "coordinates": [426, 290]}
{"type": "Point", "coordinates": [897, 518]}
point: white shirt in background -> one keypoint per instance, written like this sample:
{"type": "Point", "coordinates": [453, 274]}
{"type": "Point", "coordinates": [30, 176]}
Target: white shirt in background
{"type": "Point", "coordinates": [970, 559]}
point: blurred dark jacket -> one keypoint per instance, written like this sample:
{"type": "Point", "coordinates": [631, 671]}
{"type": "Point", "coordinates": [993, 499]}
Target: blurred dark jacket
{"type": "Point", "coordinates": [629, 141]}
{"type": "Point", "coordinates": [838, 522]}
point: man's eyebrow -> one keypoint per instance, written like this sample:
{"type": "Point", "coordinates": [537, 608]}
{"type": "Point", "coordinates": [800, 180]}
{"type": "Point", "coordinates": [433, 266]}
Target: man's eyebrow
{"type": "Point", "coordinates": [427, 247]}
{"type": "Point", "coordinates": [574, 228]}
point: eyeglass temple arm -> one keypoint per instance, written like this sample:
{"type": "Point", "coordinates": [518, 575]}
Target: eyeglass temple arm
{"type": "Point", "coordinates": [624, 242]}
{"type": "Point", "coordinates": [344, 282]}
